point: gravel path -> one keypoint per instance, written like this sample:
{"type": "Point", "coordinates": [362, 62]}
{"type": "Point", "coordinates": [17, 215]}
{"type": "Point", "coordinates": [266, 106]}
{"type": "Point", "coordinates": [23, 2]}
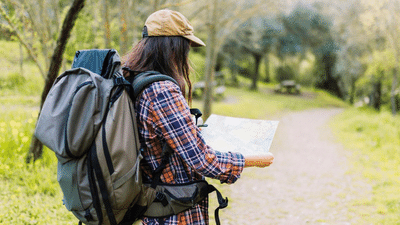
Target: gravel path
{"type": "Point", "coordinates": [308, 182]}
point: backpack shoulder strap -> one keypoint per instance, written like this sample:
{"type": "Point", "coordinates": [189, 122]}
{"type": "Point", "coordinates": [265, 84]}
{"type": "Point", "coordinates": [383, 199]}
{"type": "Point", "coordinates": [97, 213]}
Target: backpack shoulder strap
{"type": "Point", "coordinates": [144, 79]}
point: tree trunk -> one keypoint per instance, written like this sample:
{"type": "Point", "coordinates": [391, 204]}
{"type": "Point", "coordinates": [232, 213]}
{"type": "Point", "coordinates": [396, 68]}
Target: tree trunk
{"type": "Point", "coordinates": [376, 94]}
{"type": "Point", "coordinates": [210, 59]}
{"type": "Point", "coordinates": [107, 32]}
{"type": "Point", "coordinates": [124, 27]}
{"type": "Point", "coordinates": [45, 33]}
{"type": "Point", "coordinates": [55, 4]}
{"type": "Point", "coordinates": [393, 35]}
{"type": "Point", "coordinates": [21, 60]}
{"type": "Point", "coordinates": [267, 75]}
{"type": "Point", "coordinates": [135, 24]}
{"type": "Point", "coordinates": [352, 91]}
{"type": "Point", "coordinates": [36, 147]}
{"type": "Point", "coordinates": [175, 5]}
{"type": "Point", "coordinates": [257, 60]}
{"type": "Point", "coordinates": [156, 5]}
{"type": "Point", "coordinates": [234, 73]}
{"type": "Point", "coordinates": [393, 92]}
{"type": "Point", "coordinates": [327, 81]}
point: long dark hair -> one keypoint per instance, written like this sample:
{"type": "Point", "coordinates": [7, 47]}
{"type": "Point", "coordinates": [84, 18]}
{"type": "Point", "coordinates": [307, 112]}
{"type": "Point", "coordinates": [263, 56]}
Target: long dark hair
{"type": "Point", "coordinates": [167, 55]}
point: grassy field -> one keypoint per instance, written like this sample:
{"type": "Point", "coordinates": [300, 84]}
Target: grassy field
{"type": "Point", "coordinates": [375, 140]}
{"type": "Point", "coordinates": [29, 193]}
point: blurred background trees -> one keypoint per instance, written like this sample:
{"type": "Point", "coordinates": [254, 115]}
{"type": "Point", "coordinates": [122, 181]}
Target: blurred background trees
{"type": "Point", "coordinates": [348, 47]}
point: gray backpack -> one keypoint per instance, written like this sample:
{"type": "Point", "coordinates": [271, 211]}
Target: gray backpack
{"type": "Point", "coordinates": [88, 120]}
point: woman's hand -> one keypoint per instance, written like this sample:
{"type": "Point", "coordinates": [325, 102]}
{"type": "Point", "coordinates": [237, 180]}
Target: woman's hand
{"type": "Point", "coordinates": [259, 161]}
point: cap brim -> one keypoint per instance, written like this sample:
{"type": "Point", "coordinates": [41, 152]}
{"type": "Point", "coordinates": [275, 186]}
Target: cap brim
{"type": "Point", "coordinates": [195, 41]}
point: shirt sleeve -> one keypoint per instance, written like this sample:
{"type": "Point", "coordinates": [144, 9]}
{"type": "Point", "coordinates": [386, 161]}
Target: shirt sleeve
{"type": "Point", "coordinates": [172, 120]}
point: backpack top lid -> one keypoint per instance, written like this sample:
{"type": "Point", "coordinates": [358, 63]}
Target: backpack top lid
{"type": "Point", "coordinates": [104, 62]}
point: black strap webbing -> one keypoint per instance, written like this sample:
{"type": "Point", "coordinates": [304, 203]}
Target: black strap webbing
{"type": "Point", "coordinates": [92, 185]}
{"type": "Point", "coordinates": [166, 152]}
{"type": "Point", "coordinates": [106, 151]}
{"type": "Point", "coordinates": [120, 87]}
{"type": "Point", "coordinates": [223, 202]}
{"type": "Point", "coordinates": [103, 188]}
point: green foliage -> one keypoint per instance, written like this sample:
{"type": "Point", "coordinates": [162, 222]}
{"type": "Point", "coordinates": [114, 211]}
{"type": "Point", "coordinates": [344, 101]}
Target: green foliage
{"type": "Point", "coordinates": [12, 83]}
{"type": "Point", "coordinates": [379, 63]}
{"type": "Point", "coordinates": [285, 72]}
{"type": "Point", "coordinates": [12, 80]}
{"type": "Point", "coordinates": [375, 142]}
{"type": "Point", "coordinates": [5, 33]}
{"type": "Point", "coordinates": [15, 84]}
{"type": "Point", "coordinates": [307, 26]}
{"type": "Point", "coordinates": [29, 192]}
{"type": "Point", "coordinates": [379, 69]}
{"type": "Point", "coordinates": [305, 72]}
{"type": "Point", "coordinates": [10, 54]}
{"type": "Point", "coordinates": [197, 63]}
{"type": "Point", "coordinates": [85, 35]}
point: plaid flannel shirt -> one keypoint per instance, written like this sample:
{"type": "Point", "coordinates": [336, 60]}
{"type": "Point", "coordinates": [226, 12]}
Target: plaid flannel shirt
{"type": "Point", "coordinates": [164, 117]}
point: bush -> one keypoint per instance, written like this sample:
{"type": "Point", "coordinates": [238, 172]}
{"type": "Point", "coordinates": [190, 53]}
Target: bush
{"type": "Point", "coordinates": [284, 73]}
{"type": "Point", "coordinates": [12, 81]}
{"type": "Point", "coordinates": [5, 33]}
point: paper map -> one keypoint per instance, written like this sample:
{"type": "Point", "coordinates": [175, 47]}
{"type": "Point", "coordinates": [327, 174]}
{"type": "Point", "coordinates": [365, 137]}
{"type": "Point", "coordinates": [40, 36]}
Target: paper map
{"type": "Point", "coordinates": [247, 136]}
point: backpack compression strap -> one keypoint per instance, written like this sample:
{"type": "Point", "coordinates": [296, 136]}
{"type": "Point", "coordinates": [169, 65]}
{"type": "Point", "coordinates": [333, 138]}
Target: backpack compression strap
{"type": "Point", "coordinates": [93, 165]}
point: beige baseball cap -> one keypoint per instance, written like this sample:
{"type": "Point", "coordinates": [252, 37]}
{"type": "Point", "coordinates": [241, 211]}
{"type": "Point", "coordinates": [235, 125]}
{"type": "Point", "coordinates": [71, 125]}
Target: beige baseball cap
{"type": "Point", "coordinates": [170, 23]}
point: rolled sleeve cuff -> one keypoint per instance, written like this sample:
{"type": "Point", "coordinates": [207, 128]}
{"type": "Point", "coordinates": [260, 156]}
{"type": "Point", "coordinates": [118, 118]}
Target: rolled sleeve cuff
{"type": "Point", "coordinates": [233, 169]}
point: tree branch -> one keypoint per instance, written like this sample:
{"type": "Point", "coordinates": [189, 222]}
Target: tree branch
{"type": "Point", "coordinates": [20, 39]}
{"type": "Point", "coordinates": [56, 59]}
{"type": "Point", "coordinates": [36, 147]}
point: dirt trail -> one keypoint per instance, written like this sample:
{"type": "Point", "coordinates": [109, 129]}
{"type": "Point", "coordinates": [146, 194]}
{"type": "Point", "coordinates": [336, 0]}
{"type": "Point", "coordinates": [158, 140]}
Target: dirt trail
{"type": "Point", "coordinates": [307, 184]}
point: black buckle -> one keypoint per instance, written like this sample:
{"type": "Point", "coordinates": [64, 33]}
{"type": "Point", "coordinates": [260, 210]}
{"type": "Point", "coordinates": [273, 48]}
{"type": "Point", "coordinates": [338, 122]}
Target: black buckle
{"type": "Point", "coordinates": [119, 80]}
{"type": "Point", "coordinates": [88, 216]}
{"type": "Point", "coordinates": [144, 32]}
{"type": "Point", "coordinates": [160, 197]}
{"type": "Point", "coordinates": [223, 203]}
{"type": "Point", "coordinates": [197, 114]}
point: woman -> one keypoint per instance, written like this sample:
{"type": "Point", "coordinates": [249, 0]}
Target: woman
{"type": "Point", "coordinates": [164, 116]}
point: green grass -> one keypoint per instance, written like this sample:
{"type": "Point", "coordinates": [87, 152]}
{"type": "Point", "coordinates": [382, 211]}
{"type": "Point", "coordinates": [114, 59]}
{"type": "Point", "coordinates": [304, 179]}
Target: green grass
{"type": "Point", "coordinates": [12, 82]}
{"type": "Point", "coordinates": [29, 192]}
{"type": "Point", "coordinates": [374, 139]}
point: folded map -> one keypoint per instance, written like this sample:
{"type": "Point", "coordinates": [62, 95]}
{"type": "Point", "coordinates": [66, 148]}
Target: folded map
{"type": "Point", "coordinates": [231, 134]}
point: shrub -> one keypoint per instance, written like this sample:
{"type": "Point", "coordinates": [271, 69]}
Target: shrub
{"type": "Point", "coordinates": [284, 73]}
{"type": "Point", "coordinates": [12, 80]}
